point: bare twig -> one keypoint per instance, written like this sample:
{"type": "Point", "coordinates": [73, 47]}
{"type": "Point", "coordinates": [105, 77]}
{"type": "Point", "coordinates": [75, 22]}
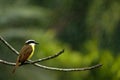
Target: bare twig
{"type": "Point", "coordinates": [56, 69]}
{"type": "Point", "coordinates": [8, 45]}
{"type": "Point", "coordinates": [47, 58]}
{"type": "Point", "coordinates": [44, 59]}
{"type": "Point", "coordinates": [68, 69]}
{"type": "Point", "coordinates": [7, 63]}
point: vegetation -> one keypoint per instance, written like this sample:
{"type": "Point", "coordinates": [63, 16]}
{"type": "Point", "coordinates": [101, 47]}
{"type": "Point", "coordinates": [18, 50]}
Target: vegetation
{"type": "Point", "coordinates": [87, 30]}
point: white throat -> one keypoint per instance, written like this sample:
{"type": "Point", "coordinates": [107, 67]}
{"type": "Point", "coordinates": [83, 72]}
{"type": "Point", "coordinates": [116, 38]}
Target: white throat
{"type": "Point", "coordinates": [32, 44]}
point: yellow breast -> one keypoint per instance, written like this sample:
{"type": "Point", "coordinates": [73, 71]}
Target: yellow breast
{"type": "Point", "coordinates": [33, 49]}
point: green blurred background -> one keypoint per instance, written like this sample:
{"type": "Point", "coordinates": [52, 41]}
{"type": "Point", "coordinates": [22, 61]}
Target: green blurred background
{"type": "Point", "coordinates": [88, 30]}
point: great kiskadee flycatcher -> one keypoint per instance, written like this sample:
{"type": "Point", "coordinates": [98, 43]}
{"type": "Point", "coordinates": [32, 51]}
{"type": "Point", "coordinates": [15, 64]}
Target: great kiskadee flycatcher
{"type": "Point", "coordinates": [25, 53]}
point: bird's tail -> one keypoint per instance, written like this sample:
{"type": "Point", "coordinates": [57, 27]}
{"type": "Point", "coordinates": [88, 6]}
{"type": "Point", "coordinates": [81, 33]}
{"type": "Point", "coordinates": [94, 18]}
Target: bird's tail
{"type": "Point", "coordinates": [14, 69]}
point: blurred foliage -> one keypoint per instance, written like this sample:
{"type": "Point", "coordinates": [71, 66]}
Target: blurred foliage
{"type": "Point", "coordinates": [87, 30]}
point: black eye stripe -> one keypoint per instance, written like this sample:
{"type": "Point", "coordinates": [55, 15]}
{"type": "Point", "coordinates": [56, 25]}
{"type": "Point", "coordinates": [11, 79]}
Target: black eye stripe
{"type": "Point", "coordinates": [31, 42]}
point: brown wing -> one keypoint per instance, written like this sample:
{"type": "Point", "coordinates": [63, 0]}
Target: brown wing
{"type": "Point", "coordinates": [25, 53]}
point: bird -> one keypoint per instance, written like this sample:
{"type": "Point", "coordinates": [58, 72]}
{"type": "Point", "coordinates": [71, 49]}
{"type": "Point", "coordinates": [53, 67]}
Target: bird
{"type": "Point", "coordinates": [25, 53]}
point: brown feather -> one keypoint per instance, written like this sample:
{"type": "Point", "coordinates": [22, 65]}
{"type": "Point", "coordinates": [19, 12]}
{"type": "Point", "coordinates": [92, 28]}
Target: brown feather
{"type": "Point", "coordinates": [17, 64]}
{"type": "Point", "coordinates": [23, 55]}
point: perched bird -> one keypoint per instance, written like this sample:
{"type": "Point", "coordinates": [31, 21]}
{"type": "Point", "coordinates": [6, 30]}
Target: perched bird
{"type": "Point", "coordinates": [25, 53]}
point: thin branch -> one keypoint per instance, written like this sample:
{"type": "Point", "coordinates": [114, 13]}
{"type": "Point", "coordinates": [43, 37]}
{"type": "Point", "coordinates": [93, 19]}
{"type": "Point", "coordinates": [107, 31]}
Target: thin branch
{"type": "Point", "coordinates": [8, 45]}
{"type": "Point", "coordinates": [68, 69]}
{"type": "Point", "coordinates": [43, 59]}
{"type": "Point", "coordinates": [56, 69]}
{"type": "Point", "coordinates": [7, 63]}
{"type": "Point", "coordinates": [47, 58]}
